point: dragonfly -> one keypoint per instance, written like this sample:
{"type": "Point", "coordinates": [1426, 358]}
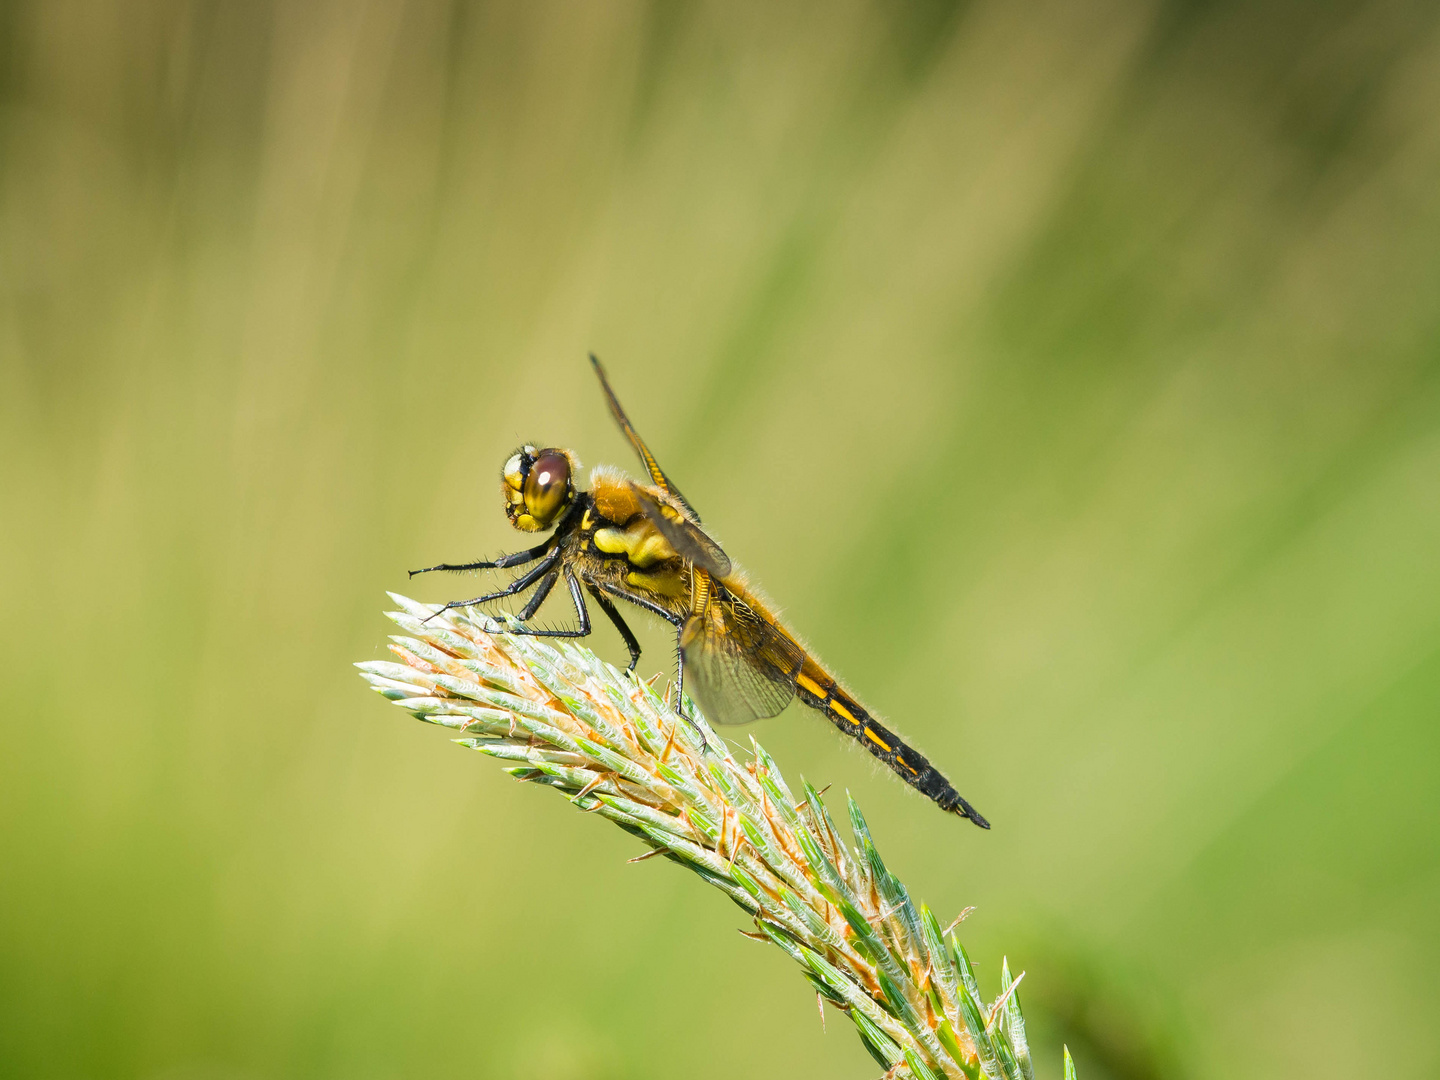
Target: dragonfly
{"type": "Point", "coordinates": [644, 545]}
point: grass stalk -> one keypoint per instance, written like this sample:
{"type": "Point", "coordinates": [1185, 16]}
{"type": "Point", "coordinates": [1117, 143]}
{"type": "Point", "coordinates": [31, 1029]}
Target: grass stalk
{"type": "Point", "coordinates": [555, 714]}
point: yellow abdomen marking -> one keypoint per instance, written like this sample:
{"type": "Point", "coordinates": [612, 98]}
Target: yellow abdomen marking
{"type": "Point", "coordinates": [807, 683]}
{"type": "Point", "coordinates": [837, 707]}
{"type": "Point", "coordinates": [870, 734]}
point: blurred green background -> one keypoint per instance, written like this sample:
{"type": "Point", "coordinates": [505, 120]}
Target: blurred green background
{"type": "Point", "coordinates": [1067, 372]}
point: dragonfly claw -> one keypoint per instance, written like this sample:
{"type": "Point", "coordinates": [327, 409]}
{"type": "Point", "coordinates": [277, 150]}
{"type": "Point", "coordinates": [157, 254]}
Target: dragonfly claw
{"type": "Point", "coordinates": [680, 712]}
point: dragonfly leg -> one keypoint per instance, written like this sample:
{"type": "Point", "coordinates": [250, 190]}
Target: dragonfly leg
{"type": "Point", "coordinates": [518, 558]}
{"type": "Point", "coordinates": [538, 597]}
{"type": "Point", "coordinates": [523, 582]}
{"type": "Point", "coordinates": [677, 621]}
{"type": "Point", "coordinates": [680, 687]}
{"type": "Point", "coordinates": [679, 677]}
{"type": "Point", "coordinates": [654, 609]}
{"type": "Point", "coordinates": [626, 633]}
{"type": "Point", "coordinates": [583, 630]}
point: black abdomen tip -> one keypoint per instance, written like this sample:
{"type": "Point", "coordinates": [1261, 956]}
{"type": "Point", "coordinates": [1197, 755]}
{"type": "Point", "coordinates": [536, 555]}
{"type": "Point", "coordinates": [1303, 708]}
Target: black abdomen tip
{"type": "Point", "coordinates": [969, 812]}
{"type": "Point", "coordinates": [959, 806]}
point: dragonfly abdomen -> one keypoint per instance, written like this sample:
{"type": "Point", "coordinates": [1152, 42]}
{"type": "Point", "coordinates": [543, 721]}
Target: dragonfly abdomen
{"type": "Point", "coordinates": [819, 691]}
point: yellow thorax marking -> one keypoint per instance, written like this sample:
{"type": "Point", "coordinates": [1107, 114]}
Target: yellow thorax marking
{"type": "Point", "coordinates": [660, 584]}
{"type": "Point", "coordinates": [611, 541]}
{"type": "Point", "coordinates": [640, 542]}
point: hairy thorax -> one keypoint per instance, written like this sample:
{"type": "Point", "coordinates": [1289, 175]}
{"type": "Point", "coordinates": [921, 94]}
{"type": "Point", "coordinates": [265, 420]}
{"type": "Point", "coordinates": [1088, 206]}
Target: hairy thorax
{"type": "Point", "coordinates": [641, 559]}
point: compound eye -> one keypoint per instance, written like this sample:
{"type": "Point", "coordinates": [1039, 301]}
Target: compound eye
{"type": "Point", "coordinates": [547, 488]}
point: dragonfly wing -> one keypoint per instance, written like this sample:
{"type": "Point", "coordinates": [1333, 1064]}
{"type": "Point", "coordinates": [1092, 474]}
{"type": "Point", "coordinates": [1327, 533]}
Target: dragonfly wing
{"type": "Point", "coordinates": [657, 475]}
{"type": "Point", "coordinates": [739, 666]}
{"type": "Point", "coordinates": [687, 538]}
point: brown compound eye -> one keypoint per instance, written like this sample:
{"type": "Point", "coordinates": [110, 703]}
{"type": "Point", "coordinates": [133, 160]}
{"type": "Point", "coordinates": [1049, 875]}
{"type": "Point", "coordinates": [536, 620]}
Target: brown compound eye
{"type": "Point", "coordinates": [547, 488]}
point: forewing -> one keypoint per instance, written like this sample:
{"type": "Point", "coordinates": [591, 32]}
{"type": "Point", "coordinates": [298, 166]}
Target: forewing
{"type": "Point", "coordinates": [687, 538]}
{"type": "Point", "coordinates": [739, 666]}
{"type": "Point", "coordinates": [657, 475]}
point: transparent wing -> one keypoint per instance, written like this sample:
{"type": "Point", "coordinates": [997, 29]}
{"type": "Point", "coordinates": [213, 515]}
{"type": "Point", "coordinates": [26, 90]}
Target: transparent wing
{"type": "Point", "coordinates": [739, 666]}
{"type": "Point", "coordinates": [687, 538]}
{"type": "Point", "coordinates": [657, 475]}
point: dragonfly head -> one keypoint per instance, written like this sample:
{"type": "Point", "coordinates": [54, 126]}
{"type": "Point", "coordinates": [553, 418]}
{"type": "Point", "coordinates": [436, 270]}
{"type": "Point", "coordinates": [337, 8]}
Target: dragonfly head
{"type": "Point", "coordinates": [538, 485]}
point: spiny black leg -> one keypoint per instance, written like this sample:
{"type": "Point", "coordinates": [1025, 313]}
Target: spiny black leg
{"type": "Point", "coordinates": [654, 609]}
{"type": "Point", "coordinates": [524, 581]}
{"type": "Point", "coordinates": [679, 676]}
{"type": "Point", "coordinates": [680, 689]}
{"type": "Point", "coordinates": [518, 558]}
{"type": "Point", "coordinates": [580, 610]}
{"type": "Point", "coordinates": [677, 621]}
{"type": "Point", "coordinates": [541, 592]}
{"type": "Point", "coordinates": [611, 610]}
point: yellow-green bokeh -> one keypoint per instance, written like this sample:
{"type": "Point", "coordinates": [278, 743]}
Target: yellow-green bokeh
{"type": "Point", "coordinates": [1067, 373]}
